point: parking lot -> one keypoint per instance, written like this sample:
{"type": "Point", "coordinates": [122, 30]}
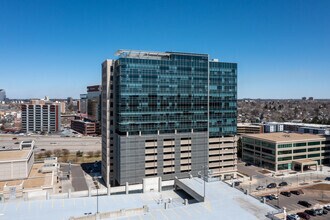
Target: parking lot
{"type": "Point", "coordinates": [307, 183]}
{"type": "Point", "coordinates": [260, 177]}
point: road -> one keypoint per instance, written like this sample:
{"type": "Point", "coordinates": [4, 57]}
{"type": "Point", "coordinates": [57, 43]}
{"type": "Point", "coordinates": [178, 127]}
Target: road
{"type": "Point", "coordinates": [52, 142]}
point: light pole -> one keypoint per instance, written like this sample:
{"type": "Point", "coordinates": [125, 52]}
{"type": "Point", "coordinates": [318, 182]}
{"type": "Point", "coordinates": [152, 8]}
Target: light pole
{"type": "Point", "coordinates": [278, 197]}
{"type": "Point", "coordinates": [297, 179]}
{"type": "Point", "coordinates": [204, 175]}
{"type": "Point", "coordinates": [97, 193]}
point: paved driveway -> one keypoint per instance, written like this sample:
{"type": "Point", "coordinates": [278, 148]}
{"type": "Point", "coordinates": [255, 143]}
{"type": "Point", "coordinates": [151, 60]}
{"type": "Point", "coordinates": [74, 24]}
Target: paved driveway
{"type": "Point", "coordinates": [78, 180]}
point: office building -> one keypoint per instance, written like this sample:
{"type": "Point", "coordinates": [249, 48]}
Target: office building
{"type": "Point", "coordinates": [41, 117]}
{"type": "Point", "coordinates": [2, 95]}
{"type": "Point", "coordinates": [94, 102]}
{"type": "Point", "coordinates": [248, 128]}
{"type": "Point", "coordinates": [285, 151]}
{"type": "Point", "coordinates": [273, 127]}
{"type": "Point", "coordinates": [167, 114]}
{"type": "Point", "coordinates": [85, 126]}
{"type": "Point", "coordinates": [82, 107]}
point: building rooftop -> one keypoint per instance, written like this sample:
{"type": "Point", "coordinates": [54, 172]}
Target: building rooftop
{"type": "Point", "coordinates": [222, 202]}
{"type": "Point", "coordinates": [14, 154]}
{"type": "Point", "coordinates": [301, 124]}
{"type": "Point", "coordinates": [248, 124]}
{"type": "Point", "coordinates": [285, 137]}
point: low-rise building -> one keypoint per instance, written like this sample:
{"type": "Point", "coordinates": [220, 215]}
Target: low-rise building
{"type": "Point", "coordinates": [271, 127]}
{"type": "Point", "coordinates": [285, 151]}
{"type": "Point", "coordinates": [248, 128]}
{"type": "Point", "coordinates": [85, 127]}
{"type": "Point", "coordinates": [16, 163]}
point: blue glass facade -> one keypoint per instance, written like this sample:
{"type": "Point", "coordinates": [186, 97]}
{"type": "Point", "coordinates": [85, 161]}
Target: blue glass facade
{"type": "Point", "coordinates": [170, 93]}
{"type": "Point", "coordinates": [223, 99]}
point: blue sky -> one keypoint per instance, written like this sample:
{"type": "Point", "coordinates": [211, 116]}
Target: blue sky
{"type": "Point", "coordinates": [56, 48]}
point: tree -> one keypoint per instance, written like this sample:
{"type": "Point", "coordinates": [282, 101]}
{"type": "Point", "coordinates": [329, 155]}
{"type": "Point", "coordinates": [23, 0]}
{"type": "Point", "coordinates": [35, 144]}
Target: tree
{"type": "Point", "coordinates": [40, 155]}
{"type": "Point", "coordinates": [65, 152]}
{"type": "Point", "coordinates": [97, 153]}
{"type": "Point", "coordinates": [57, 152]}
{"type": "Point", "coordinates": [90, 154]}
{"type": "Point", "coordinates": [48, 153]}
{"type": "Point", "coordinates": [79, 153]}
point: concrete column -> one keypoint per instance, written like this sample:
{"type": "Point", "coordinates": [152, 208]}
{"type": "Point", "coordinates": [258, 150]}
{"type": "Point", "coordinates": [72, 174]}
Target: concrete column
{"type": "Point", "coordinates": [126, 187]}
{"type": "Point", "coordinates": [69, 193]}
{"type": "Point", "coordinates": [160, 184]}
{"type": "Point", "coordinates": [108, 189]}
{"type": "Point", "coordinates": [186, 202]}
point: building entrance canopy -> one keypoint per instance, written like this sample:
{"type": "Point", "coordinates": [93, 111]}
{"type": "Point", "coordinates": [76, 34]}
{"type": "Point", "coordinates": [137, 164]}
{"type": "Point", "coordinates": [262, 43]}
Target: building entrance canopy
{"type": "Point", "coordinates": [304, 162]}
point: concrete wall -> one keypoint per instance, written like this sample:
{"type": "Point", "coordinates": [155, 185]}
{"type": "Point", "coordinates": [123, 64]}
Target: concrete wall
{"type": "Point", "coordinates": [130, 155]}
{"type": "Point", "coordinates": [13, 170]}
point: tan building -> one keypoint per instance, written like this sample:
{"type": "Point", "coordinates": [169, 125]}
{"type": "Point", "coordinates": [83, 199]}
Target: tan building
{"type": "Point", "coordinates": [285, 151]}
{"type": "Point", "coordinates": [16, 163]}
{"type": "Point", "coordinates": [247, 128]}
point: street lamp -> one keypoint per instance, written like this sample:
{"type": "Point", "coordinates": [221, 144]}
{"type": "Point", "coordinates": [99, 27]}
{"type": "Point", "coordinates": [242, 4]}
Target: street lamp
{"type": "Point", "coordinates": [297, 179]}
{"type": "Point", "coordinates": [97, 193]}
{"type": "Point", "coordinates": [278, 197]}
{"type": "Point", "coordinates": [204, 172]}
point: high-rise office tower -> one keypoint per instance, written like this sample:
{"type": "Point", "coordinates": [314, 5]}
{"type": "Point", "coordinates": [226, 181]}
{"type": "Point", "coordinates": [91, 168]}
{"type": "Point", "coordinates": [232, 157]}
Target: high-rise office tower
{"type": "Point", "coordinates": [83, 104]}
{"type": "Point", "coordinates": [41, 117]}
{"type": "Point", "coordinates": [94, 102]}
{"type": "Point", "coordinates": [167, 114]}
{"type": "Point", "coordinates": [2, 95]}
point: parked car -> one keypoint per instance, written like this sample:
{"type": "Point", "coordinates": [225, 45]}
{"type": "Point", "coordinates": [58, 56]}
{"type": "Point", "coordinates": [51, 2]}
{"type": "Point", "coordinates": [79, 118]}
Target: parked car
{"type": "Point", "coordinates": [283, 184]}
{"type": "Point", "coordinates": [260, 188]}
{"type": "Point", "coordinates": [248, 164]}
{"type": "Point", "coordinates": [304, 203]}
{"type": "Point", "coordinates": [293, 217]}
{"type": "Point", "coordinates": [304, 215]}
{"type": "Point", "coordinates": [327, 207]}
{"type": "Point", "coordinates": [319, 211]}
{"type": "Point", "coordinates": [269, 197]}
{"type": "Point", "coordinates": [236, 183]}
{"type": "Point", "coordinates": [17, 142]}
{"type": "Point", "coordinates": [271, 185]}
{"type": "Point", "coordinates": [287, 194]}
{"type": "Point", "coordinates": [312, 212]}
{"type": "Point", "coordinates": [296, 192]}
{"type": "Point", "coordinates": [274, 196]}
{"type": "Point", "coordinates": [327, 178]}
{"type": "Point", "coordinates": [325, 212]}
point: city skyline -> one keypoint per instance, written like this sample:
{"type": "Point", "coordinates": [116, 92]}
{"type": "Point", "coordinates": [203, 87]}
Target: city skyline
{"type": "Point", "coordinates": [281, 47]}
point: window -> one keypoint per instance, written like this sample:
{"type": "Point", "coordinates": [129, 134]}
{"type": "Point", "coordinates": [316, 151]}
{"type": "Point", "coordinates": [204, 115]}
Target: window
{"type": "Point", "coordinates": [313, 155]}
{"type": "Point", "coordinates": [284, 145]}
{"type": "Point", "coordinates": [284, 152]}
{"type": "Point", "coordinates": [284, 158]}
{"type": "Point", "coordinates": [299, 151]}
{"type": "Point", "coordinates": [314, 149]}
{"type": "Point", "coordinates": [267, 144]}
{"type": "Point", "coordinates": [299, 157]}
{"type": "Point", "coordinates": [313, 143]}
{"type": "Point", "coordinates": [283, 166]}
{"type": "Point", "coordinates": [299, 144]}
